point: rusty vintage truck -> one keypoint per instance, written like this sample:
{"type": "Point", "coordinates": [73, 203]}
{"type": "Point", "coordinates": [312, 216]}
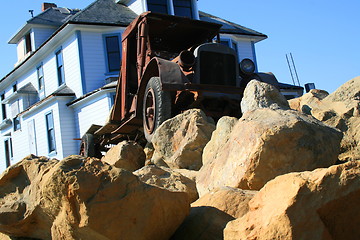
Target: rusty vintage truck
{"type": "Point", "coordinates": [171, 64]}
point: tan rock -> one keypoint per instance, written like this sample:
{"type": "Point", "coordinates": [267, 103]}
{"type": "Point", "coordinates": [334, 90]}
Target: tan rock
{"type": "Point", "coordinates": [20, 198]}
{"type": "Point", "coordinates": [180, 141]}
{"type": "Point", "coordinates": [219, 137]}
{"type": "Point", "coordinates": [232, 201]}
{"type": "Point", "coordinates": [262, 95]}
{"type": "Point", "coordinates": [168, 179]}
{"type": "Point", "coordinates": [210, 214]}
{"type": "Point", "coordinates": [340, 109]}
{"type": "Point", "coordinates": [127, 154]}
{"type": "Point", "coordinates": [321, 204]}
{"type": "Point", "coordinates": [149, 151]}
{"type": "Point", "coordinates": [4, 237]}
{"type": "Point", "coordinates": [191, 174]}
{"type": "Point", "coordinates": [80, 198]}
{"type": "Point", "coordinates": [266, 143]}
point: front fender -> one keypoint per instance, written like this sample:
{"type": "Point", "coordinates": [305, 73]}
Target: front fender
{"type": "Point", "coordinates": [170, 75]}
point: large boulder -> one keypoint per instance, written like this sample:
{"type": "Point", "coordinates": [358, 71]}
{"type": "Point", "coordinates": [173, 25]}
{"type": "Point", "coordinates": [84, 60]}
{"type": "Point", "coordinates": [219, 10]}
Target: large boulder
{"type": "Point", "coordinates": [321, 204]}
{"type": "Point", "coordinates": [168, 179]}
{"type": "Point", "coordinates": [219, 137]}
{"type": "Point", "coordinates": [126, 154]}
{"type": "Point", "coordinates": [308, 101]}
{"type": "Point", "coordinates": [340, 109]}
{"type": "Point", "coordinates": [210, 214]}
{"type": "Point", "coordinates": [79, 198]}
{"type": "Point", "coordinates": [180, 141]}
{"type": "Point", "coordinates": [266, 143]}
{"type": "Point", "coordinates": [232, 201]}
{"type": "Point", "coordinates": [262, 95]}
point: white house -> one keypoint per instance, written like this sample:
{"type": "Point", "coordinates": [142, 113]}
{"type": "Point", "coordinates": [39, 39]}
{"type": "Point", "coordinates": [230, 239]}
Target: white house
{"type": "Point", "coordinates": [68, 63]}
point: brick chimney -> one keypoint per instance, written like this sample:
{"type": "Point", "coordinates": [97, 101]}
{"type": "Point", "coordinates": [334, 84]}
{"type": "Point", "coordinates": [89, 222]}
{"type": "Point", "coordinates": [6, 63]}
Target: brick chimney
{"type": "Point", "coordinates": [45, 6]}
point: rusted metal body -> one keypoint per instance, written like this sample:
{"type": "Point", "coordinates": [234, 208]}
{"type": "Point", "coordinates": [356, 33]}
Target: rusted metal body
{"type": "Point", "coordinates": [193, 71]}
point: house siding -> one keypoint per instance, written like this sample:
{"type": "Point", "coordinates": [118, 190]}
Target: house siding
{"type": "Point", "coordinates": [245, 49]}
{"type": "Point", "coordinates": [94, 58]}
{"type": "Point", "coordinates": [67, 144]}
{"type": "Point", "coordinates": [137, 6]}
{"type": "Point", "coordinates": [41, 35]}
{"type": "Point", "coordinates": [72, 65]}
{"type": "Point", "coordinates": [95, 111]}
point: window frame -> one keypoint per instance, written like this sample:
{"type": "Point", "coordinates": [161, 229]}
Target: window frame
{"type": "Point", "coordinates": [9, 153]}
{"type": "Point", "coordinates": [3, 107]}
{"type": "Point", "coordinates": [176, 6]}
{"type": "Point", "coordinates": [40, 78]}
{"type": "Point", "coordinates": [16, 123]}
{"type": "Point", "coordinates": [27, 43]}
{"type": "Point", "coordinates": [50, 132]}
{"type": "Point", "coordinates": [60, 67]}
{"type": "Point", "coordinates": [167, 6]}
{"type": "Point", "coordinates": [171, 8]}
{"type": "Point", "coordinates": [110, 70]}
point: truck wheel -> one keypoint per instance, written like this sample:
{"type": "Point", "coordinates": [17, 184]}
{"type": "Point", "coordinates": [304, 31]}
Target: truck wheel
{"type": "Point", "coordinates": [156, 107]}
{"type": "Point", "coordinates": [87, 146]}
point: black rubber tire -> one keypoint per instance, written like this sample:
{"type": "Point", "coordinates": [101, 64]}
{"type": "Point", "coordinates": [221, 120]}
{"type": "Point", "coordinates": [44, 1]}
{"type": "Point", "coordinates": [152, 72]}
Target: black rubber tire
{"type": "Point", "coordinates": [162, 106]}
{"type": "Point", "coordinates": [87, 147]}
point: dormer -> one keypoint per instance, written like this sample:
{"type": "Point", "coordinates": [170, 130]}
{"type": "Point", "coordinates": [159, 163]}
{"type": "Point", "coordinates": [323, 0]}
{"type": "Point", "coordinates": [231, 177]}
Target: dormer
{"type": "Point", "coordinates": [183, 8]}
{"type": "Point", "coordinates": [39, 28]}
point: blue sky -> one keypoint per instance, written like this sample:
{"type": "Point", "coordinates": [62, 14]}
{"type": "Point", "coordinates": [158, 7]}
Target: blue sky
{"type": "Point", "coordinates": [323, 36]}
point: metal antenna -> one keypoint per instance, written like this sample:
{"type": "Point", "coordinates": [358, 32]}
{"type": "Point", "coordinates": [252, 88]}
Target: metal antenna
{"type": "Point", "coordinates": [32, 13]}
{"type": "Point", "coordinates": [292, 69]}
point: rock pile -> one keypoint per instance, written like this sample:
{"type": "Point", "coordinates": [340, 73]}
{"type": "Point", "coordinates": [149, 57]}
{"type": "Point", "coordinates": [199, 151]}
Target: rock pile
{"type": "Point", "coordinates": [269, 175]}
{"type": "Point", "coordinates": [341, 109]}
{"type": "Point", "coordinates": [79, 198]}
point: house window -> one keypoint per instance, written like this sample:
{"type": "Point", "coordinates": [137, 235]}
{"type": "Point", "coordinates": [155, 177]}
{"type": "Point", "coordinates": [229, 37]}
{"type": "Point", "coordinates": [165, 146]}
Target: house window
{"type": "Point", "coordinates": [14, 87]}
{"type": "Point", "coordinates": [3, 107]}
{"type": "Point", "coordinates": [60, 67]}
{"type": "Point", "coordinates": [50, 132]}
{"type": "Point", "coordinates": [113, 53]}
{"type": "Point", "coordinates": [16, 123]}
{"type": "Point", "coordinates": [183, 8]}
{"type": "Point", "coordinates": [8, 151]}
{"type": "Point", "coordinates": [27, 43]}
{"type": "Point", "coordinates": [158, 6]}
{"type": "Point", "coordinates": [40, 76]}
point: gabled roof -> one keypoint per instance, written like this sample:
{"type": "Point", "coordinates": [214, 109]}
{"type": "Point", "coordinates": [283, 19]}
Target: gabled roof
{"type": "Point", "coordinates": [53, 17]}
{"type": "Point", "coordinates": [229, 27]}
{"type": "Point", "coordinates": [105, 12]}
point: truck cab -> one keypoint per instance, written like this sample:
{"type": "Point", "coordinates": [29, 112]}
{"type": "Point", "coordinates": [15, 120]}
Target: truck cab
{"type": "Point", "coordinates": [171, 64]}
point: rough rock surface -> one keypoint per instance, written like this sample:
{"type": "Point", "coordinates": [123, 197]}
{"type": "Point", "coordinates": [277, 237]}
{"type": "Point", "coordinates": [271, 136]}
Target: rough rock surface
{"type": "Point", "coordinates": [232, 201]}
{"type": "Point", "coordinates": [79, 198]}
{"type": "Point", "coordinates": [180, 141]}
{"type": "Point", "coordinates": [210, 214]}
{"type": "Point", "coordinates": [262, 95]}
{"type": "Point", "coordinates": [266, 143]}
{"type": "Point", "coordinates": [308, 101]}
{"type": "Point", "coordinates": [322, 204]}
{"type": "Point", "coordinates": [167, 179]}
{"type": "Point", "coordinates": [340, 109]}
{"type": "Point", "coordinates": [127, 155]}
{"type": "Point", "coordinates": [219, 137]}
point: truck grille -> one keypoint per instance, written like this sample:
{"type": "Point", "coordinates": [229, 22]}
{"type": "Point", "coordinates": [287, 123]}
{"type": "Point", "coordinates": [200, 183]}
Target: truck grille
{"type": "Point", "coordinates": [217, 68]}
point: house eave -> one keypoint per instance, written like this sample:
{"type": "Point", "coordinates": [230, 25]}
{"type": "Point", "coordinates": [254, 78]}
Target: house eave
{"type": "Point", "coordinates": [5, 124]}
{"type": "Point", "coordinates": [89, 96]}
{"type": "Point", "coordinates": [45, 101]}
{"type": "Point", "coordinates": [51, 38]}
{"type": "Point", "coordinates": [25, 29]}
